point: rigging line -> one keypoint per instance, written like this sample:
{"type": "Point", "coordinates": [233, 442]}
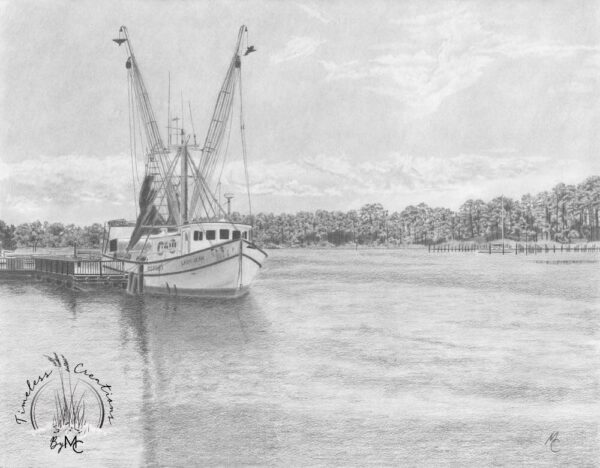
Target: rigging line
{"type": "Point", "coordinates": [209, 194]}
{"type": "Point", "coordinates": [244, 153]}
{"type": "Point", "coordinates": [206, 210]}
{"type": "Point", "coordinates": [212, 142]}
{"type": "Point", "coordinates": [222, 116]}
{"type": "Point", "coordinates": [133, 127]}
{"type": "Point", "coordinates": [215, 130]}
{"type": "Point", "coordinates": [170, 184]}
{"type": "Point", "coordinates": [198, 186]}
{"type": "Point", "coordinates": [159, 165]}
{"type": "Point", "coordinates": [196, 209]}
{"type": "Point", "coordinates": [217, 153]}
{"type": "Point", "coordinates": [204, 187]}
{"type": "Point", "coordinates": [211, 162]}
{"type": "Point", "coordinates": [135, 143]}
{"type": "Point", "coordinates": [227, 217]}
{"type": "Point", "coordinates": [205, 201]}
{"type": "Point", "coordinates": [131, 138]}
{"type": "Point", "coordinates": [155, 166]}
{"type": "Point", "coordinates": [226, 146]}
{"type": "Point", "coordinates": [169, 114]}
{"type": "Point", "coordinates": [169, 176]}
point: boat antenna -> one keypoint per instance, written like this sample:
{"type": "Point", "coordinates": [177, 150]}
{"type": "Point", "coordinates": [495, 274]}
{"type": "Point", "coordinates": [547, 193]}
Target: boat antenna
{"type": "Point", "coordinates": [169, 113]}
{"type": "Point", "coordinates": [192, 122]}
{"type": "Point", "coordinates": [182, 115]}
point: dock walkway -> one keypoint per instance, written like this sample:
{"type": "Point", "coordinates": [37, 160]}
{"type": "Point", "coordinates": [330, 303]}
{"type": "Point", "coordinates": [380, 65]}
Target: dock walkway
{"type": "Point", "coordinates": [76, 272]}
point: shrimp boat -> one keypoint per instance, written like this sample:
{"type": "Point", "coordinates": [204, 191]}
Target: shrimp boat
{"type": "Point", "coordinates": [183, 241]}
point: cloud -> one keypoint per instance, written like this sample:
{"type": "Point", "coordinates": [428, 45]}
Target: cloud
{"type": "Point", "coordinates": [339, 176]}
{"type": "Point", "coordinates": [447, 52]}
{"type": "Point", "coordinates": [313, 12]}
{"type": "Point", "coordinates": [84, 189]}
{"type": "Point", "coordinates": [297, 47]}
{"type": "Point", "coordinates": [69, 186]}
{"type": "Point", "coordinates": [351, 70]}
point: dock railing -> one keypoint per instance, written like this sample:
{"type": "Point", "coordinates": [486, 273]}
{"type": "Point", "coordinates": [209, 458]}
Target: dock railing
{"type": "Point", "coordinates": [80, 267]}
{"type": "Point", "coordinates": [17, 264]}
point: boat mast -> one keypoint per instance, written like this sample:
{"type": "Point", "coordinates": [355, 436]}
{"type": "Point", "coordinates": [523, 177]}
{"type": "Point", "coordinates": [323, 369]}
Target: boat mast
{"type": "Point", "coordinates": [169, 113]}
{"type": "Point", "coordinates": [184, 184]}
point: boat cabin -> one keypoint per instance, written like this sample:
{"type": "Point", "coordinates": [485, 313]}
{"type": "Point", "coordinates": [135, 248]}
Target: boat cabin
{"type": "Point", "coordinates": [175, 241]}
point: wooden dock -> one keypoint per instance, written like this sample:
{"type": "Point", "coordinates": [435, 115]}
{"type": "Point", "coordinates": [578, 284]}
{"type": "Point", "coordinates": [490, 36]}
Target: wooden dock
{"type": "Point", "coordinates": [514, 249]}
{"type": "Point", "coordinates": [74, 272]}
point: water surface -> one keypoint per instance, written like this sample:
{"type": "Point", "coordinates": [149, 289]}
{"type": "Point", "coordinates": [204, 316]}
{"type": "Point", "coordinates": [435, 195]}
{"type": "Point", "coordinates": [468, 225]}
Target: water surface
{"type": "Point", "coordinates": [345, 358]}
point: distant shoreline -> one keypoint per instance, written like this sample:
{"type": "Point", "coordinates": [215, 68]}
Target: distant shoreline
{"type": "Point", "coordinates": [69, 251]}
{"type": "Point", "coordinates": [470, 243]}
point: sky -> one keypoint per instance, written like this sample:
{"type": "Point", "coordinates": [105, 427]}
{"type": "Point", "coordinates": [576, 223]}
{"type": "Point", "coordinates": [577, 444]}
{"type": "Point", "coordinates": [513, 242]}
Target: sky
{"type": "Point", "coordinates": [345, 103]}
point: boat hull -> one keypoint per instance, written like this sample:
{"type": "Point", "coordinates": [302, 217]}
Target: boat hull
{"type": "Point", "coordinates": [224, 270]}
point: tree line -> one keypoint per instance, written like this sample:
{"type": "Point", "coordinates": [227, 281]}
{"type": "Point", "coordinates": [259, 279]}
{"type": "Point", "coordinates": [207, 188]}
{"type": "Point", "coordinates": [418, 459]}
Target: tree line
{"type": "Point", "coordinates": [38, 234]}
{"type": "Point", "coordinates": [565, 213]}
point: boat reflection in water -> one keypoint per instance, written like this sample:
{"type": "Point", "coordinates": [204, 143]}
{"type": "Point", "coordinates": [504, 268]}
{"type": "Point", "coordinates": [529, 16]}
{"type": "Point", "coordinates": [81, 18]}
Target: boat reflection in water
{"type": "Point", "coordinates": [206, 379]}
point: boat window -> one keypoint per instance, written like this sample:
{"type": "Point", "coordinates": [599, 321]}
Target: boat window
{"type": "Point", "coordinates": [224, 234]}
{"type": "Point", "coordinates": [245, 234]}
{"type": "Point", "coordinates": [198, 235]}
{"type": "Point", "coordinates": [211, 235]}
{"type": "Point", "coordinates": [113, 245]}
{"type": "Point", "coordinates": [235, 235]}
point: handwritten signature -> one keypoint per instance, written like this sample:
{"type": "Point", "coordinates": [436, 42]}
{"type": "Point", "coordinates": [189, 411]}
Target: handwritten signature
{"type": "Point", "coordinates": [553, 439]}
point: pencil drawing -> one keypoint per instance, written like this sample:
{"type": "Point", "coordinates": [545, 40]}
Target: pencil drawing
{"type": "Point", "coordinates": [299, 233]}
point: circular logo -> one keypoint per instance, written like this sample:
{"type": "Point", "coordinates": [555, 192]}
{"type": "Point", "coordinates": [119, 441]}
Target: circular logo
{"type": "Point", "coordinates": [68, 401]}
{"type": "Point", "coordinates": [65, 402]}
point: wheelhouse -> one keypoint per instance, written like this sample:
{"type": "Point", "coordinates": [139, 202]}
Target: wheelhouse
{"type": "Point", "coordinates": [197, 236]}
